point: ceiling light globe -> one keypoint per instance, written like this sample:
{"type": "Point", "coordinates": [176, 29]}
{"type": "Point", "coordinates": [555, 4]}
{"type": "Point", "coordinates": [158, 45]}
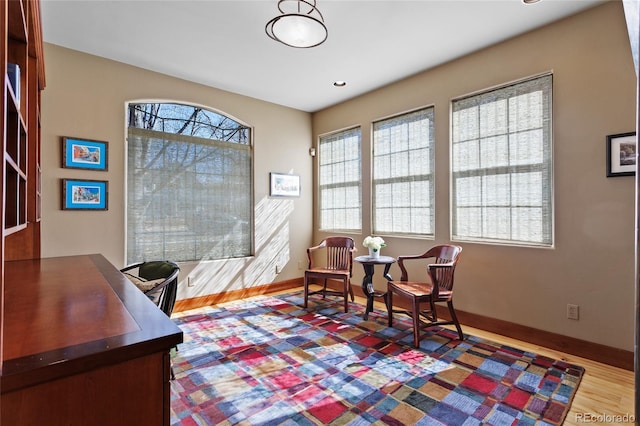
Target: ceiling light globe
{"type": "Point", "coordinates": [299, 31]}
{"type": "Point", "coordinates": [300, 24]}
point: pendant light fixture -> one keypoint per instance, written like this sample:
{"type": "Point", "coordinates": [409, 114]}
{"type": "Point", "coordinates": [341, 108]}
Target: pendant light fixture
{"type": "Point", "coordinates": [300, 24]}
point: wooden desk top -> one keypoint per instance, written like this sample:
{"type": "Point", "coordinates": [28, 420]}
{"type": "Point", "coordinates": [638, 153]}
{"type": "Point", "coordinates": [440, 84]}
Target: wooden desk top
{"type": "Point", "coordinates": [70, 314]}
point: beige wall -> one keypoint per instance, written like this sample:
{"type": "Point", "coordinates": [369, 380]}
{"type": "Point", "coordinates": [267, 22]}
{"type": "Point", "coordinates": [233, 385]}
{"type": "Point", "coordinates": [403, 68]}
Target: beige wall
{"type": "Point", "coordinates": [85, 97]}
{"type": "Point", "coordinates": [592, 263]}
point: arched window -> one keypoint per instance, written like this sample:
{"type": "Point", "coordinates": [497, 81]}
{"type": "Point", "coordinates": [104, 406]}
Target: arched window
{"type": "Point", "coordinates": [189, 184]}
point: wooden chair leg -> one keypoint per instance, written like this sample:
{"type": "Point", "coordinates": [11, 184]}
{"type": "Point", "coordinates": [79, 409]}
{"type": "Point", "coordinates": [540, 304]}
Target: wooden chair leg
{"type": "Point", "coordinates": [306, 290]}
{"type": "Point", "coordinates": [434, 312]}
{"type": "Point", "coordinates": [455, 319]}
{"type": "Point", "coordinates": [416, 323]}
{"type": "Point", "coordinates": [385, 299]}
{"type": "Point", "coordinates": [351, 291]}
{"type": "Point", "coordinates": [346, 296]}
{"type": "Point", "coordinates": [389, 301]}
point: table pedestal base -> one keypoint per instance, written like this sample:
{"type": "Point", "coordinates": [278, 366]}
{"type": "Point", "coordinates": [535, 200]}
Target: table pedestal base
{"type": "Point", "coordinates": [368, 263]}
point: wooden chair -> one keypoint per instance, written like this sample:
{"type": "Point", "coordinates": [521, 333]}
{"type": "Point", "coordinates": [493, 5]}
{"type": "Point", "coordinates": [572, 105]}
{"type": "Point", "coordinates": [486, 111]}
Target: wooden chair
{"type": "Point", "coordinates": [158, 280]}
{"type": "Point", "coordinates": [339, 266]}
{"type": "Point", "coordinates": [438, 288]}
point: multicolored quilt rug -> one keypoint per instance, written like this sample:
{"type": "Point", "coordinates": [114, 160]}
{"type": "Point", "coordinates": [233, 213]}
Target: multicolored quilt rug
{"type": "Point", "coordinates": [268, 361]}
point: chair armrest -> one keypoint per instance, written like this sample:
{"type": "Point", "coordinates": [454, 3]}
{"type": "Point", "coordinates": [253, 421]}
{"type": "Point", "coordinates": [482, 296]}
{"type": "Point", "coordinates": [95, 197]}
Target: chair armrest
{"type": "Point", "coordinates": [437, 276]}
{"type": "Point", "coordinates": [169, 279]}
{"type": "Point", "coordinates": [132, 266]}
{"type": "Point", "coordinates": [401, 259]}
{"type": "Point", "coordinates": [310, 251]}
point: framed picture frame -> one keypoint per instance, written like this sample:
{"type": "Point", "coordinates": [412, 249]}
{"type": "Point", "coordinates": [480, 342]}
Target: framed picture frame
{"type": "Point", "coordinates": [85, 194]}
{"type": "Point", "coordinates": [78, 153]}
{"type": "Point", "coordinates": [284, 185]}
{"type": "Point", "coordinates": [621, 154]}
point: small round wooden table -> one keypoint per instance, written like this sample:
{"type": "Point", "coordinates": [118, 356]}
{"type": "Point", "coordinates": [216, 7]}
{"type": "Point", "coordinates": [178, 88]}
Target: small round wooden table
{"type": "Point", "coordinates": [368, 263]}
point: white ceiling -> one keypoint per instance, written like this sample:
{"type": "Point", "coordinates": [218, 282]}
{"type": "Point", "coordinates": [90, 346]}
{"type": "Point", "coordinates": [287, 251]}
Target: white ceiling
{"type": "Point", "coordinates": [223, 43]}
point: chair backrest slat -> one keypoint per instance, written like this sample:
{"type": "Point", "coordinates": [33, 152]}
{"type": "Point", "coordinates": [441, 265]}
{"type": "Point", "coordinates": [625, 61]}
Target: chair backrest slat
{"type": "Point", "coordinates": [338, 258]}
{"type": "Point", "coordinates": [442, 278]}
{"type": "Point", "coordinates": [339, 253]}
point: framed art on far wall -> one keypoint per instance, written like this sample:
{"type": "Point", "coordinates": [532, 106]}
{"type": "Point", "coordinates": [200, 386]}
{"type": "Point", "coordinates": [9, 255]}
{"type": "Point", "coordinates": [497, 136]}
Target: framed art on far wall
{"type": "Point", "coordinates": [85, 194]}
{"type": "Point", "coordinates": [284, 185]}
{"type": "Point", "coordinates": [80, 153]}
{"type": "Point", "coordinates": [621, 154]}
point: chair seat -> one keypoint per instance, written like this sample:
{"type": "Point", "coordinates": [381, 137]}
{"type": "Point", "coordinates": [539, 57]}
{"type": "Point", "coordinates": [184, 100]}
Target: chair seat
{"type": "Point", "coordinates": [327, 273]}
{"type": "Point", "coordinates": [419, 290]}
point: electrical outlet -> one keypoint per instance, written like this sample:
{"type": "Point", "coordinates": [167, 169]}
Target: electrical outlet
{"type": "Point", "coordinates": [190, 282]}
{"type": "Point", "coordinates": [278, 269]}
{"type": "Point", "coordinates": [573, 311]}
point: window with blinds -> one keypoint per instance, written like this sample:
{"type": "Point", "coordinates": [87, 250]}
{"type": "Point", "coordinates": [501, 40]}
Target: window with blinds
{"type": "Point", "coordinates": [339, 177]}
{"type": "Point", "coordinates": [502, 170]}
{"type": "Point", "coordinates": [189, 184]}
{"type": "Point", "coordinates": [403, 164]}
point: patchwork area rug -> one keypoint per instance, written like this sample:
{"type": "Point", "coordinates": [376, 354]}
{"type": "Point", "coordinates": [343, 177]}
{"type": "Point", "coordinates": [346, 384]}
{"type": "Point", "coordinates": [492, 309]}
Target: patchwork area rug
{"type": "Point", "coordinates": [268, 361]}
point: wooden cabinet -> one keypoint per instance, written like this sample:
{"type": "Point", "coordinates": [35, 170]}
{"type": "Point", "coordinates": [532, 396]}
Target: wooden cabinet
{"type": "Point", "coordinates": [82, 346]}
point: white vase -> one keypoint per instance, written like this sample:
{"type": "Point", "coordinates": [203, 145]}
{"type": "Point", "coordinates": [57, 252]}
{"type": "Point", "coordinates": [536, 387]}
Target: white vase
{"type": "Point", "coordinates": [374, 253]}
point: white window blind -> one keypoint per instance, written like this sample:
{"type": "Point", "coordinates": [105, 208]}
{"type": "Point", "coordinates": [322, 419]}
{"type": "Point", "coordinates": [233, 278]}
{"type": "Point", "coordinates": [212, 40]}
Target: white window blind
{"type": "Point", "coordinates": [339, 181]}
{"type": "Point", "coordinates": [403, 164]}
{"type": "Point", "coordinates": [502, 170]}
{"type": "Point", "coordinates": [189, 184]}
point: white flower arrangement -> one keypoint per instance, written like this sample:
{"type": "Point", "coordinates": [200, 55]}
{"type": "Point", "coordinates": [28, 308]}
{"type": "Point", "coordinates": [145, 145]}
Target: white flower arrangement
{"type": "Point", "coordinates": [374, 243]}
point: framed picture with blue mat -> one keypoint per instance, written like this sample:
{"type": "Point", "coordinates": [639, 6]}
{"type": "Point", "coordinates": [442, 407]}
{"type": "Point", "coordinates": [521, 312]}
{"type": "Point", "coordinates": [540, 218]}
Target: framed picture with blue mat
{"type": "Point", "coordinates": [85, 194]}
{"type": "Point", "coordinates": [78, 153]}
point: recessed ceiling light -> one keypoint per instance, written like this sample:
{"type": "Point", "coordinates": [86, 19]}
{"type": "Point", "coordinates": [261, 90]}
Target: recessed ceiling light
{"type": "Point", "coordinates": [339, 83]}
{"type": "Point", "coordinates": [530, 1]}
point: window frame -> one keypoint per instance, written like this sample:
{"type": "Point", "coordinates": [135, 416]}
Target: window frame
{"type": "Point", "coordinates": [394, 150]}
{"type": "Point", "coordinates": [353, 183]}
{"type": "Point", "coordinates": [546, 168]}
{"type": "Point", "coordinates": [213, 143]}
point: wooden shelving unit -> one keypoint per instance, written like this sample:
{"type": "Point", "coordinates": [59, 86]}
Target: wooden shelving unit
{"type": "Point", "coordinates": [21, 36]}
{"type": "Point", "coordinates": [15, 155]}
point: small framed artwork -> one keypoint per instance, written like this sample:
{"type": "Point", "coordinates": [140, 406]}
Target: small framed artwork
{"type": "Point", "coordinates": [621, 154]}
{"type": "Point", "coordinates": [84, 154]}
{"type": "Point", "coordinates": [85, 194]}
{"type": "Point", "coordinates": [284, 185]}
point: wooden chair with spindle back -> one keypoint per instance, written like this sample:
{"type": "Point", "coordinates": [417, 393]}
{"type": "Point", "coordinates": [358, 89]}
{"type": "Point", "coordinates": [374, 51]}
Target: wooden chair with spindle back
{"type": "Point", "coordinates": [441, 264]}
{"type": "Point", "coordinates": [338, 267]}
